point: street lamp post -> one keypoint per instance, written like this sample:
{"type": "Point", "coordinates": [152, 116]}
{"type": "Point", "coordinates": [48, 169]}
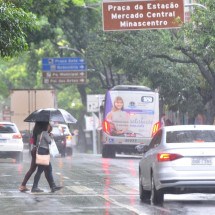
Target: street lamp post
{"type": "Point", "coordinates": [195, 4]}
{"type": "Point", "coordinates": [72, 49]}
{"type": "Point", "coordinates": [91, 6]}
{"type": "Point", "coordinates": [187, 13]}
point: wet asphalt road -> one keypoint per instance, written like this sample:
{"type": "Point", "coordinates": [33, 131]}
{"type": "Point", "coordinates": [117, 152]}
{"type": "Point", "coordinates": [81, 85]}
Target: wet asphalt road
{"type": "Point", "coordinates": [92, 185]}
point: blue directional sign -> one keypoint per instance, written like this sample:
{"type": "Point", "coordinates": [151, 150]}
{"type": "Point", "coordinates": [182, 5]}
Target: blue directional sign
{"type": "Point", "coordinates": [64, 60]}
{"type": "Point", "coordinates": [68, 67]}
{"type": "Point", "coordinates": [63, 64]}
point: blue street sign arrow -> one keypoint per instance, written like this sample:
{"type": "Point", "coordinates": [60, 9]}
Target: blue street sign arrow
{"type": "Point", "coordinates": [64, 60]}
{"type": "Point", "coordinates": [64, 67]}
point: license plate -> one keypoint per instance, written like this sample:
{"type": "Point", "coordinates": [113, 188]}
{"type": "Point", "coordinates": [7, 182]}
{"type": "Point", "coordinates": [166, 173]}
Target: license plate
{"type": "Point", "coordinates": [130, 140]}
{"type": "Point", "coordinates": [202, 161]}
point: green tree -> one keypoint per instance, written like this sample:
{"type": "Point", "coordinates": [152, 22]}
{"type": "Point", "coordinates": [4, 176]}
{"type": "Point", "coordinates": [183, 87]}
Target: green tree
{"type": "Point", "coordinates": [15, 22]}
{"type": "Point", "coordinates": [174, 61]}
{"type": "Point", "coordinates": [186, 58]}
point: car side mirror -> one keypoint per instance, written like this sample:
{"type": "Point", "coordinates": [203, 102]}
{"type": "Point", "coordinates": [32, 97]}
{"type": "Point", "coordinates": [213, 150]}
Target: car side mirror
{"type": "Point", "coordinates": [142, 148]}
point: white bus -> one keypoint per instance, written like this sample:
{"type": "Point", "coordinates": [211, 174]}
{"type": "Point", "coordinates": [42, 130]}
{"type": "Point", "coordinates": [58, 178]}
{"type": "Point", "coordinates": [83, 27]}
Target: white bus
{"type": "Point", "coordinates": [130, 117]}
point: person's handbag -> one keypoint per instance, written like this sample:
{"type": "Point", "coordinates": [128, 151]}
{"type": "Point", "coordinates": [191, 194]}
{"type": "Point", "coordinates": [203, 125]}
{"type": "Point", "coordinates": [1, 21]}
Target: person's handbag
{"type": "Point", "coordinates": [53, 149]}
{"type": "Point", "coordinates": [42, 159]}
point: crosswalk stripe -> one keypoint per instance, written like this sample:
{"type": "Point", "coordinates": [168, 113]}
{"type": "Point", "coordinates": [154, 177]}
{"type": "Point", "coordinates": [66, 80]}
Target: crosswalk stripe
{"type": "Point", "coordinates": [86, 190]}
{"type": "Point", "coordinates": [125, 189]}
{"type": "Point", "coordinates": [81, 189]}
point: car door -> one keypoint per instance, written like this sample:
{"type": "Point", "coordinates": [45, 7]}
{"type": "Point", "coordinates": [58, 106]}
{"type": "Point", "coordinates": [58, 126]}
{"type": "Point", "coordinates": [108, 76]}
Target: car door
{"type": "Point", "coordinates": [148, 160]}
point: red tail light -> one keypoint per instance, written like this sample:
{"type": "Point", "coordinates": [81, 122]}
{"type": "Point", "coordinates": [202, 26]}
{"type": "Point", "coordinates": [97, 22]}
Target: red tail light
{"type": "Point", "coordinates": [155, 128]}
{"type": "Point", "coordinates": [161, 157]}
{"type": "Point", "coordinates": [17, 136]}
{"type": "Point", "coordinates": [106, 126]}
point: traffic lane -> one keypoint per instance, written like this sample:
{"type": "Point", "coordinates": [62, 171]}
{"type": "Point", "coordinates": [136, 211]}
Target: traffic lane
{"type": "Point", "coordinates": [189, 204]}
{"type": "Point", "coordinates": [96, 204]}
{"type": "Point", "coordinates": [88, 188]}
{"type": "Point", "coordinates": [70, 173]}
{"type": "Point", "coordinates": [120, 176]}
{"type": "Point", "coordinates": [92, 185]}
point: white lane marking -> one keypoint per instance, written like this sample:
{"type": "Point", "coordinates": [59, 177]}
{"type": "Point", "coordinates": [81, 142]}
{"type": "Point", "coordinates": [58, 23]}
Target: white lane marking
{"type": "Point", "coordinates": [81, 189]}
{"type": "Point", "coordinates": [85, 190]}
{"type": "Point", "coordinates": [125, 189]}
{"type": "Point", "coordinates": [130, 208]}
{"type": "Point", "coordinates": [54, 195]}
{"type": "Point", "coordinates": [66, 177]}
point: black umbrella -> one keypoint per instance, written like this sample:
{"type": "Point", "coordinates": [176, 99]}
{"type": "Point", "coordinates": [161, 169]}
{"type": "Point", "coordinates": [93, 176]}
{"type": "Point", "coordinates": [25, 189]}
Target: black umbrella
{"type": "Point", "coordinates": [51, 115]}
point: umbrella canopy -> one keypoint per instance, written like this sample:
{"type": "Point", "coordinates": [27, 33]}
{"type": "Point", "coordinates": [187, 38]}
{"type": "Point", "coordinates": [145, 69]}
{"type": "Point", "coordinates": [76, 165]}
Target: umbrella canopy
{"type": "Point", "coordinates": [51, 115]}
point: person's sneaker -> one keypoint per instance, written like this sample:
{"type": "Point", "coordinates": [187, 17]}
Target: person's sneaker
{"type": "Point", "coordinates": [56, 188]}
{"type": "Point", "coordinates": [36, 190]}
{"type": "Point", "coordinates": [23, 188]}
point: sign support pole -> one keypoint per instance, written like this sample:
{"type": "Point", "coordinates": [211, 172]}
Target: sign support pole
{"type": "Point", "coordinates": [94, 134]}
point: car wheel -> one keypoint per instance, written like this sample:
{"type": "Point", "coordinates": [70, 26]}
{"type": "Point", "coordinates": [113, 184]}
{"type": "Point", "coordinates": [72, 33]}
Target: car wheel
{"type": "Point", "coordinates": [19, 157]}
{"type": "Point", "coordinates": [69, 151]}
{"type": "Point", "coordinates": [144, 194]}
{"type": "Point", "coordinates": [157, 196]}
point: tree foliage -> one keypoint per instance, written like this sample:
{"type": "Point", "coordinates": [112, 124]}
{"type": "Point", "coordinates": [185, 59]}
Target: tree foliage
{"type": "Point", "coordinates": [14, 24]}
{"type": "Point", "coordinates": [178, 62]}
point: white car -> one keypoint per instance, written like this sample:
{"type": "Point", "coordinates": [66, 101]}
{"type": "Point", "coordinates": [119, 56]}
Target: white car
{"type": "Point", "coordinates": [179, 159]}
{"type": "Point", "coordinates": [11, 143]}
{"type": "Point", "coordinates": [64, 139]}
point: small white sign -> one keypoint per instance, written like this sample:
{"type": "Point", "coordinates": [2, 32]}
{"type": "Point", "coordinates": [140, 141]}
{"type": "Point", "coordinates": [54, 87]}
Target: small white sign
{"type": "Point", "coordinates": [94, 102]}
{"type": "Point", "coordinates": [90, 123]}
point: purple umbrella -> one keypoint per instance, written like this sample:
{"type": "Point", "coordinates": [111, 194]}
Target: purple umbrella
{"type": "Point", "coordinates": [51, 115]}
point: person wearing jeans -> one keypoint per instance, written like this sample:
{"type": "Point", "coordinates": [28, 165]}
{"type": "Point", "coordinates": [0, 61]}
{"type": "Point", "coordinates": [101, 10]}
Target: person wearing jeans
{"type": "Point", "coordinates": [43, 142]}
{"type": "Point", "coordinates": [38, 128]}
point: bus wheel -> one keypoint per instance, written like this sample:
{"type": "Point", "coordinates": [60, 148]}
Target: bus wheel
{"type": "Point", "coordinates": [108, 152]}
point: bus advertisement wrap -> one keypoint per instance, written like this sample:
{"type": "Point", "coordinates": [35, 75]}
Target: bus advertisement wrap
{"type": "Point", "coordinates": [129, 116]}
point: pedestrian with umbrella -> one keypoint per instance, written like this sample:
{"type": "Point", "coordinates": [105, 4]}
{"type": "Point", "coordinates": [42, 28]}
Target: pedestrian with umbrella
{"type": "Point", "coordinates": [43, 116]}
{"type": "Point", "coordinates": [38, 128]}
{"type": "Point", "coordinates": [43, 142]}
{"type": "Point", "coordinates": [51, 115]}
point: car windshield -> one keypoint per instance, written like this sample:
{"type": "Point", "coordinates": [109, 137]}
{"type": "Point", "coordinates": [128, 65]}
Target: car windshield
{"type": "Point", "coordinates": [190, 136]}
{"type": "Point", "coordinates": [65, 130]}
{"type": "Point", "coordinates": [7, 128]}
{"type": "Point", "coordinates": [56, 131]}
{"type": "Point", "coordinates": [60, 130]}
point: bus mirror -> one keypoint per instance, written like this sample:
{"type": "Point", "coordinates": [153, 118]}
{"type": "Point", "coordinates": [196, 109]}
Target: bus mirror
{"type": "Point", "coordinates": [101, 108]}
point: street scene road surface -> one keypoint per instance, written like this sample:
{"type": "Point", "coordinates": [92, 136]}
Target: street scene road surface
{"type": "Point", "coordinates": [92, 185]}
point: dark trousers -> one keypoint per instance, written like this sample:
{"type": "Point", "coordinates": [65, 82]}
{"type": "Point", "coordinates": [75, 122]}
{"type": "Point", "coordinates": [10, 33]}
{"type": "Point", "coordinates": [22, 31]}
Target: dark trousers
{"type": "Point", "coordinates": [33, 166]}
{"type": "Point", "coordinates": [46, 169]}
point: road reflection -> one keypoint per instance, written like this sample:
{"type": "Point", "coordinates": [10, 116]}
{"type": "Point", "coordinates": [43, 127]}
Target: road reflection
{"type": "Point", "coordinates": [106, 170]}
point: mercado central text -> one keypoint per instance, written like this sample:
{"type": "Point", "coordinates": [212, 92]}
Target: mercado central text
{"type": "Point", "coordinates": [149, 15]}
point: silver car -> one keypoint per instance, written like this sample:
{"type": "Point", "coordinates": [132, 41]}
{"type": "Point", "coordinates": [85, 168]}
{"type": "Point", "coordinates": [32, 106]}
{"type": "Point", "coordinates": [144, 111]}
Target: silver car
{"type": "Point", "coordinates": [179, 159]}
